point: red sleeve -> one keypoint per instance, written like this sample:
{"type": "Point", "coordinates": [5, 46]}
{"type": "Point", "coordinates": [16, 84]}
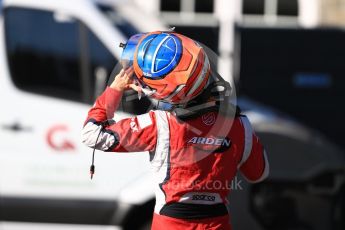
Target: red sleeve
{"type": "Point", "coordinates": [128, 135]}
{"type": "Point", "coordinates": [105, 106]}
{"type": "Point", "coordinates": [254, 164]}
{"type": "Point", "coordinates": [135, 134]}
{"type": "Point", "coordinates": [253, 169]}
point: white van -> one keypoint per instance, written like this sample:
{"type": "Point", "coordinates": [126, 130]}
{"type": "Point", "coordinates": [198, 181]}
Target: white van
{"type": "Point", "coordinates": [55, 56]}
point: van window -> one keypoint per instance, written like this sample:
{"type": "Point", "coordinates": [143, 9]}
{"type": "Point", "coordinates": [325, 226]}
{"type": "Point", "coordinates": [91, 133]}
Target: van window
{"type": "Point", "coordinates": [43, 53]}
{"type": "Point", "coordinates": [46, 51]}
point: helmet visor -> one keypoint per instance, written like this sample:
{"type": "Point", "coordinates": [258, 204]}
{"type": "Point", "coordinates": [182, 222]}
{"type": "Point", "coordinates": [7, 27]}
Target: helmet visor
{"type": "Point", "coordinates": [127, 58]}
{"type": "Point", "coordinates": [129, 50]}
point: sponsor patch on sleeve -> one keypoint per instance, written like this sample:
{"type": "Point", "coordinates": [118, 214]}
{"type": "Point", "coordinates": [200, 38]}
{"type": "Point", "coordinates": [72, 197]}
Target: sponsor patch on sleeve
{"type": "Point", "coordinates": [144, 120]}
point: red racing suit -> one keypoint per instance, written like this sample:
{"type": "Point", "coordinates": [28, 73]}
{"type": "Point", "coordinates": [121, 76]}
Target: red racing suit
{"type": "Point", "coordinates": [193, 161]}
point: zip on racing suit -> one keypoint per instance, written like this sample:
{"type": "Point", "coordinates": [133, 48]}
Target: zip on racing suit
{"type": "Point", "coordinates": [193, 164]}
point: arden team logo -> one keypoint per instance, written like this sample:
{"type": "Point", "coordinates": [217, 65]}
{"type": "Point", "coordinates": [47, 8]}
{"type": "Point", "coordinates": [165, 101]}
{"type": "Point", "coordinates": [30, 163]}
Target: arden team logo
{"type": "Point", "coordinates": [210, 141]}
{"type": "Point", "coordinates": [209, 118]}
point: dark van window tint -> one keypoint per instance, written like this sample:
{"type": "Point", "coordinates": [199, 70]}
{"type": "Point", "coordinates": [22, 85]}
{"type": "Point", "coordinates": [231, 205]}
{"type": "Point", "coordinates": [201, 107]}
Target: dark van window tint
{"type": "Point", "coordinates": [100, 64]}
{"type": "Point", "coordinates": [54, 55]}
{"type": "Point", "coordinates": [57, 56]}
{"type": "Point", "coordinates": [43, 52]}
{"type": "Point", "coordinates": [1, 7]}
{"type": "Point", "coordinates": [99, 54]}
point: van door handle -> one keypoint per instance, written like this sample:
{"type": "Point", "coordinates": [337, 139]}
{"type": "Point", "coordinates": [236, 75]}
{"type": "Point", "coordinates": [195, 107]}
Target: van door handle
{"type": "Point", "coordinates": [16, 127]}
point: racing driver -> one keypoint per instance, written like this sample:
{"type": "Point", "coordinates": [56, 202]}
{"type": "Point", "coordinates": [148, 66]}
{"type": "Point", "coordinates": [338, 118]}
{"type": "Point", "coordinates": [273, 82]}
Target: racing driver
{"type": "Point", "coordinates": [196, 138]}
